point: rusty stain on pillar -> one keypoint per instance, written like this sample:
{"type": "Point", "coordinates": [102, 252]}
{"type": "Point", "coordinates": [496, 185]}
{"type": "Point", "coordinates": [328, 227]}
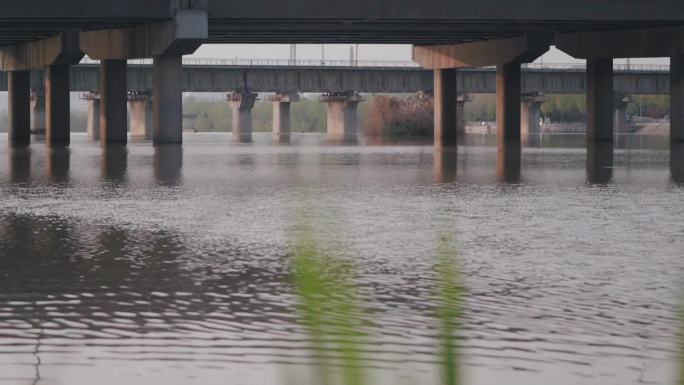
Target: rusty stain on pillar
{"type": "Point", "coordinates": [113, 108]}
{"type": "Point", "coordinates": [281, 115]}
{"type": "Point", "coordinates": [58, 121]}
{"type": "Point", "coordinates": [600, 99]}
{"type": "Point", "coordinates": [93, 125]}
{"type": "Point", "coordinates": [19, 107]}
{"type": "Point", "coordinates": [242, 103]}
{"type": "Point", "coordinates": [445, 107]}
{"type": "Point", "coordinates": [342, 117]}
{"type": "Point", "coordinates": [677, 99]}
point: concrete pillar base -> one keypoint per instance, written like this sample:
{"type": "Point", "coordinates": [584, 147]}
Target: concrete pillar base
{"type": "Point", "coordinates": [677, 162]}
{"type": "Point", "coordinates": [57, 110]}
{"type": "Point", "coordinates": [141, 111]}
{"type": "Point", "coordinates": [281, 115]}
{"type": "Point", "coordinates": [113, 112]}
{"type": "Point", "coordinates": [93, 127]}
{"type": "Point", "coordinates": [242, 103]}
{"type": "Point", "coordinates": [677, 99]}
{"type": "Point", "coordinates": [343, 121]}
{"type": "Point", "coordinates": [19, 107]}
{"type": "Point", "coordinates": [508, 161]}
{"type": "Point", "coordinates": [168, 99]}
{"type": "Point", "coordinates": [600, 100]}
{"type": "Point", "coordinates": [445, 163]}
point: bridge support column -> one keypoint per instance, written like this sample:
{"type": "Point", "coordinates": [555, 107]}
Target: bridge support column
{"type": "Point", "coordinates": [677, 99]}
{"type": "Point", "coordinates": [113, 113]}
{"type": "Point", "coordinates": [600, 100]}
{"type": "Point", "coordinates": [281, 115]}
{"type": "Point", "coordinates": [343, 122]}
{"type": "Point", "coordinates": [460, 114]}
{"type": "Point", "coordinates": [446, 107]}
{"type": "Point", "coordinates": [141, 111]}
{"type": "Point", "coordinates": [57, 111]}
{"type": "Point", "coordinates": [242, 103]}
{"type": "Point", "coordinates": [530, 114]}
{"type": "Point", "coordinates": [508, 88]}
{"type": "Point", "coordinates": [621, 125]}
{"type": "Point", "coordinates": [168, 99]}
{"type": "Point", "coordinates": [19, 106]}
{"type": "Point", "coordinates": [93, 127]}
{"type": "Point", "coordinates": [38, 111]}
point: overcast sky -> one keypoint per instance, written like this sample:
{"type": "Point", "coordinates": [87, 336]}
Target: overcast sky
{"type": "Point", "coordinates": [342, 52]}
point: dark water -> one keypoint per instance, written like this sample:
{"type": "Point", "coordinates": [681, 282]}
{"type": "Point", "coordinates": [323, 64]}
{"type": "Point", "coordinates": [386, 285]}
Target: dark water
{"type": "Point", "coordinates": [169, 265]}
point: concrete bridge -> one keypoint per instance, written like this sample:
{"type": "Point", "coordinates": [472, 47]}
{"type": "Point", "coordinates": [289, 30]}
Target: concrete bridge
{"type": "Point", "coordinates": [448, 36]}
{"type": "Point", "coordinates": [286, 77]}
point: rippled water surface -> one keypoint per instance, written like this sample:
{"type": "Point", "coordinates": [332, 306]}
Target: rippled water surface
{"type": "Point", "coordinates": [169, 265]}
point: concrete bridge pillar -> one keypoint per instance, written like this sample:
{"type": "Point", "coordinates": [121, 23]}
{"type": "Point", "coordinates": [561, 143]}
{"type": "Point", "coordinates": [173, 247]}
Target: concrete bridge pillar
{"type": "Point", "coordinates": [113, 112]}
{"type": "Point", "coordinates": [446, 107]}
{"type": "Point", "coordinates": [141, 112]}
{"type": "Point", "coordinates": [19, 106]}
{"type": "Point", "coordinates": [242, 104]}
{"type": "Point", "coordinates": [93, 127]}
{"type": "Point", "coordinates": [530, 115]}
{"type": "Point", "coordinates": [621, 125]}
{"type": "Point", "coordinates": [168, 99]}
{"type": "Point", "coordinates": [343, 121]}
{"type": "Point", "coordinates": [460, 113]}
{"type": "Point", "coordinates": [677, 99]}
{"type": "Point", "coordinates": [38, 111]}
{"type": "Point", "coordinates": [281, 115]}
{"type": "Point", "coordinates": [57, 110]}
{"type": "Point", "coordinates": [600, 100]}
{"type": "Point", "coordinates": [508, 88]}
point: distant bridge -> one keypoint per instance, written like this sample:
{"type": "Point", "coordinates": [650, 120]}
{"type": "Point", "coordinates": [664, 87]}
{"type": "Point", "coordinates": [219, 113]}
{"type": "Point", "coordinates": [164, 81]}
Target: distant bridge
{"type": "Point", "coordinates": [268, 75]}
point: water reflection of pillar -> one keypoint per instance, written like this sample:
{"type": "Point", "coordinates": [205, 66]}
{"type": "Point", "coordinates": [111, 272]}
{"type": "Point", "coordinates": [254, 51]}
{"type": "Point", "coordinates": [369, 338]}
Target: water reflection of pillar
{"type": "Point", "coordinates": [677, 162]}
{"type": "Point", "coordinates": [508, 162]}
{"type": "Point", "coordinates": [445, 164]}
{"type": "Point", "coordinates": [58, 160]}
{"type": "Point", "coordinates": [20, 164]}
{"type": "Point", "coordinates": [114, 162]}
{"type": "Point", "coordinates": [168, 162]}
{"type": "Point", "coordinates": [599, 162]}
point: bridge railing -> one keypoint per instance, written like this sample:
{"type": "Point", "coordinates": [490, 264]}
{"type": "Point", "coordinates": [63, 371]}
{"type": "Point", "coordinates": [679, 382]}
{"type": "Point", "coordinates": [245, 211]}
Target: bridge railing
{"type": "Point", "coordinates": [580, 67]}
{"type": "Point", "coordinates": [279, 62]}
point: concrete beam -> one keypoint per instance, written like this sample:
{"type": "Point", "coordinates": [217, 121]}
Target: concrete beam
{"type": "Point", "coordinates": [522, 49]}
{"type": "Point", "coordinates": [141, 112]}
{"type": "Point", "coordinates": [445, 107]}
{"type": "Point", "coordinates": [600, 100]}
{"type": "Point", "coordinates": [168, 99]}
{"type": "Point", "coordinates": [180, 36]}
{"type": "Point", "coordinates": [19, 107]}
{"type": "Point", "coordinates": [113, 111]}
{"type": "Point", "coordinates": [242, 103]}
{"type": "Point", "coordinates": [57, 110]}
{"type": "Point", "coordinates": [651, 42]}
{"type": "Point", "coordinates": [93, 125]}
{"type": "Point", "coordinates": [677, 99]}
{"type": "Point", "coordinates": [281, 115]}
{"type": "Point", "coordinates": [343, 121]}
{"type": "Point", "coordinates": [61, 50]}
{"type": "Point", "coordinates": [508, 96]}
